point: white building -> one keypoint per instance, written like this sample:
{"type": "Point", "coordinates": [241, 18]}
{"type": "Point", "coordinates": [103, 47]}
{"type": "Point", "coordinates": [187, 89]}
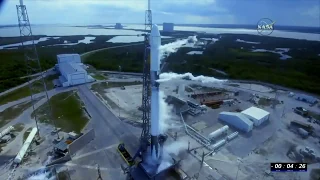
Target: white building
{"type": "Point", "coordinates": [168, 27]}
{"type": "Point", "coordinates": [256, 115]}
{"type": "Point", "coordinates": [68, 58]}
{"type": "Point", "coordinates": [72, 70]}
{"type": "Point", "coordinates": [236, 120]}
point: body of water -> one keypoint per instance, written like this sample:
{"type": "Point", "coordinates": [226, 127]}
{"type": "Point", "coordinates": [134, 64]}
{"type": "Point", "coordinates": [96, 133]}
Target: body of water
{"type": "Point", "coordinates": [68, 31]}
{"type": "Point", "coordinates": [279, 51]}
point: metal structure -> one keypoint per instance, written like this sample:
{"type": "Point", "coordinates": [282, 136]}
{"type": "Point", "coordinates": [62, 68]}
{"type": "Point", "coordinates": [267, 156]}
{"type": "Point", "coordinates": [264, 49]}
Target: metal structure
{"type": "Point", "coordinates": [32, 60]}
{"type": "Point", "coordinates": [99, 173]}
{"type": "Point", "coordinates": [146, 92]}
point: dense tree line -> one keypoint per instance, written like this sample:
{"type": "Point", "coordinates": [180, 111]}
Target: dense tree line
{"type": "Point", "coordinates": [13, 65]}
{"type": "Point", "coordinates": [234, 58]}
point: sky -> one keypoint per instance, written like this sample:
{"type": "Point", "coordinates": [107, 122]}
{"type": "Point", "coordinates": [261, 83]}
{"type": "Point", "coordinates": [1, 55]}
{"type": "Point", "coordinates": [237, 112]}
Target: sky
{"type": "Point", "coordinates": [284, 12]}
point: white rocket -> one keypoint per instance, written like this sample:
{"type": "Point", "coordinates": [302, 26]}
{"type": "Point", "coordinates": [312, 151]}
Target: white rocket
{"type": "Point", "coordinates": [155, 43]}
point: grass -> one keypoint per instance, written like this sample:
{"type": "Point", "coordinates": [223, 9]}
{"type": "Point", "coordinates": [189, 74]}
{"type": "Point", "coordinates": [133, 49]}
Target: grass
{"type": "Point", "coordinates": [314, 115]}
{"type": "Point", "coordinates": [188, 89]}
{"type": "Point", "coordinates": [67, 112]}
{"type": "Point", "coordinates": [99, 76]}
{"type": "Point", "coordinates": [26, 133]}
{"type": "Point", "coordinates": [14, 111]}
{"type": "Point", "coordinates": [18, 127]}
{"type": "Point", "coordinates": [233, 85]}
{"type": "Point", "coordinates": [25, 91]}
{"type": "Point", "coordinates": [64, 175]}
{"type": "Point", "coordinates": [267, 102]}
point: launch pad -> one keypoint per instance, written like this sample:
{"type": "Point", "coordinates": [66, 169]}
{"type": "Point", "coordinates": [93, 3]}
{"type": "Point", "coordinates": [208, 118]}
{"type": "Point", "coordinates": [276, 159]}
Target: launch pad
{"type": "Point", "coordinates": [146, 170]}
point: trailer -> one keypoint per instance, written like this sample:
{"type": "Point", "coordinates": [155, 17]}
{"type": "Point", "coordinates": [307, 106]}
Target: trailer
{"type": "Point", "coordinates": [125, 154]}
{"type": "Point", "coordinates": [305, 126]}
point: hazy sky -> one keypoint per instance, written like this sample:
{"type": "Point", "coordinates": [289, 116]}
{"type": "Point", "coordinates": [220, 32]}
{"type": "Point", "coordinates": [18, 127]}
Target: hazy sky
{"type": "Point", "coordinates": [284, 12]}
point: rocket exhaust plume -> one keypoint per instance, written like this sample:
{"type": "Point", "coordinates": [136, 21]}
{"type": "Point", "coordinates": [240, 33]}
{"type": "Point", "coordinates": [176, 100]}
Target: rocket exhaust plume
{"type": "Point", "coordinates": [155, 43]}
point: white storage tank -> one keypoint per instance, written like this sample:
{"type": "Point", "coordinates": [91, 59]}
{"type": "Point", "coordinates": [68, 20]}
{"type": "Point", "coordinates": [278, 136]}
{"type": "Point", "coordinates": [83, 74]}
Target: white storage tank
{"type": "Point", "coordinates": [219, 144]}
{"type": "Point", "coordinates": [232, 136]}
{"type": "Point", "coordinates": [236, 120]}
{"type": "Point", "coordinates": [219, 132]}
{"type": "Point", "coordinates": [25, 146]}
{"type": "Point", "coordinates": [6, 131]}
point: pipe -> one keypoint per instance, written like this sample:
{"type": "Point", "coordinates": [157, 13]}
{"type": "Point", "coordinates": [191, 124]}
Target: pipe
{"type": "Point", "coordinates": [155, 43]}
{"type": "Point", "coordinates": [25, 146]}
{"type": "Point", "coordinates": [6, 131]}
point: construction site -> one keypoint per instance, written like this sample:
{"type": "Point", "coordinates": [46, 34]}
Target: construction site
{"type": "Point", "coordinates": [155, 125]}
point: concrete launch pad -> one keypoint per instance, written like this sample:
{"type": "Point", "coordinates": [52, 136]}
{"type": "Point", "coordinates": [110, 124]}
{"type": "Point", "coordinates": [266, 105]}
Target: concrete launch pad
{"type": "Point", "coordinates": [155, 169]}
{"type": "Point", "coordinates": [146, 171]}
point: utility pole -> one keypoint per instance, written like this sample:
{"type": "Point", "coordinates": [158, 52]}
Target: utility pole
{"type": "Point", "coordinates": [99, 173]}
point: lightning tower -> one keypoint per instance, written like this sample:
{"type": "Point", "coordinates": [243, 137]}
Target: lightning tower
{"type": "Point", "coordinates": [31, 58]}
{"type": "Point", "coordinates": [146, 91]}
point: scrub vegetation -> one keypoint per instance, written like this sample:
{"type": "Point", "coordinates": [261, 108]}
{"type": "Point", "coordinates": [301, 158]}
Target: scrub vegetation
{"type": "Point", "coordinates": [25, 90]}
{"type": "Point", "coordinates": [67, 112]}
{"type": "Point", "coordinates": [234, 58]}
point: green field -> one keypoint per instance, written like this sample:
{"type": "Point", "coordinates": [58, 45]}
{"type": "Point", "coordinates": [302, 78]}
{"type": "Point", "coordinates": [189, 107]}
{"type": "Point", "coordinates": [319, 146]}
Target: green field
{"type": "Point", "coordinates": [67, 112]}
{"type": "Point", "coordinates": [25, 90]}
{"type": "Point", "coordinates": [98, 76]}
{"type": "Point", "coordinates": [12, 112]}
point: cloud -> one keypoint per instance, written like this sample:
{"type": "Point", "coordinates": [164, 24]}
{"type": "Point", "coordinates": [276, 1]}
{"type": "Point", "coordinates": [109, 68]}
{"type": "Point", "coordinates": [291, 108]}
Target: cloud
{"type": "Point", "coordinates": [284, 12]}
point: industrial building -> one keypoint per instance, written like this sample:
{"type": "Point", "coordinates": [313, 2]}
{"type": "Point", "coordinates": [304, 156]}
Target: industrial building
{"type": "Point", "coordinates": [168, 27]}
{"type": "Point", "coordinates": [236, 120]}
{"type": "Point", "coordinates": [72, 70]}
{"type": "Point", "coordinates": [118, 26]}
{"type": "Point", "coordinates": [256, 115]}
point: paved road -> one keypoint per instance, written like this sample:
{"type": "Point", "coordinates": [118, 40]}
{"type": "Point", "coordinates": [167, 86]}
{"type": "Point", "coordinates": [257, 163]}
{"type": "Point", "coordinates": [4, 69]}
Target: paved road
{"type": "Point", "coordinates": [110, 131]}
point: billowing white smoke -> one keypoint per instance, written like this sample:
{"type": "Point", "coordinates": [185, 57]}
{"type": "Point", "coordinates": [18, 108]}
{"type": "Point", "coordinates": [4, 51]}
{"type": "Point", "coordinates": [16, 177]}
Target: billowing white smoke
{"type": "Point", "coordinates": [43, 176]}
{"type": "Point", "coordinates": [204, 79]}
{"type": "Point", "coordinates": [167, 118]}
{"type": "Point", "coordinates": [167, 49]}
{"type": "Point", "coordinates": [174, 148]}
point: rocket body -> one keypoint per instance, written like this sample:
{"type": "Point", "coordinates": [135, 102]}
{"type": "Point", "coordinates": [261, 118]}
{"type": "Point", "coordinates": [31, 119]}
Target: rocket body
{"type": "Point", "coordinates": [155, 43]}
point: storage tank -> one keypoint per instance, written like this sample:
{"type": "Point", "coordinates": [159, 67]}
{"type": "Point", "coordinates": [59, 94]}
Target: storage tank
{"type": "Point", "coordinates": [232, 136]}
{"type": "Point", "coordinates": [218, 132]}
{"type": "Point", "coordinates": [25, 146]}
{"type": "Point", "coordinates": [218, 144]}
{"type": "Point", "coordinates": [6, 131]}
